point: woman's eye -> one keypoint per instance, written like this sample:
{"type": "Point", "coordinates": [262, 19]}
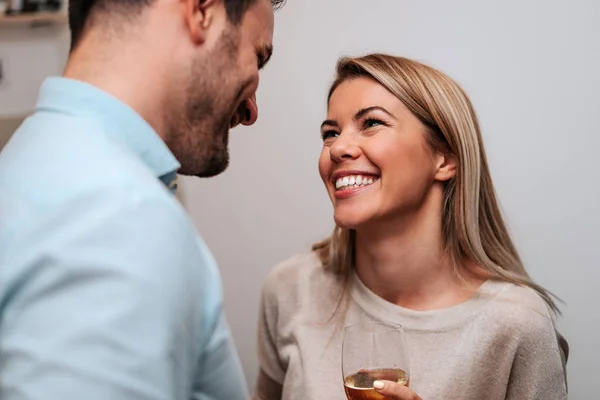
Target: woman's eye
{"type": "Point", "coordinates": [329, 134]}
{"type": "Point", "coordinates": [371, 123]}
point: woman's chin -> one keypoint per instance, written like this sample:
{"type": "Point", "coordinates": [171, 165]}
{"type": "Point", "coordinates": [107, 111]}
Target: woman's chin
{"type": "Point", "coordinates": [346, 221]}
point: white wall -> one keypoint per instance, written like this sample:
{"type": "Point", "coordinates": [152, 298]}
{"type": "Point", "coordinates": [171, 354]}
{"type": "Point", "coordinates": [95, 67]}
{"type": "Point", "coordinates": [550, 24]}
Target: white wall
{"type": "Point", "coordinates": [532, 70]}
{"type": "Point", "coordinates": [28, 56]}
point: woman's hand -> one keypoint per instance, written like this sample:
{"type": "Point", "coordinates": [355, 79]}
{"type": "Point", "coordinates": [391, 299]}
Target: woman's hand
{"type": "Point", "coordinates": [395, 391]}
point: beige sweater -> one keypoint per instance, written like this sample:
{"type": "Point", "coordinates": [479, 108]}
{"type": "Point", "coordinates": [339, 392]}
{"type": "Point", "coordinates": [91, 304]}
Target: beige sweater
{"type": "Point", "coordinates": [501, 344]}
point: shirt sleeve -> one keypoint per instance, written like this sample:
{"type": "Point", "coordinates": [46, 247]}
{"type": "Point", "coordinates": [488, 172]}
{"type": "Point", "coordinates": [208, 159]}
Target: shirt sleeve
{"type": "Point", "coordinates": [102, 299]}
{"type": "Point", "coordinates": [270, 379]}
{"type": "Point", "coordinates": [538, 371]}
{"type": "Point", "coordinates": [220, 375]}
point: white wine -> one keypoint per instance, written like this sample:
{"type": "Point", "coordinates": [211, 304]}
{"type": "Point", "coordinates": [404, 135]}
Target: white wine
{"type": "Point", "coordinates": [359, 386]}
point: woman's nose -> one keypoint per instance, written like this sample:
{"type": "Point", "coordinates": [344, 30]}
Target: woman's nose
{"type": "Point", "coordinates": [344, 148]}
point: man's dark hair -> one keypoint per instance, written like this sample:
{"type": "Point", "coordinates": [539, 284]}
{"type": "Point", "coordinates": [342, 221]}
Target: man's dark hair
{"type": "Point", "coordinates": [81, 10]}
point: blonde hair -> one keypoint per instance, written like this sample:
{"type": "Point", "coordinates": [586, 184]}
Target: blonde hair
{"type": "Point", "coordinates": [473, 227]}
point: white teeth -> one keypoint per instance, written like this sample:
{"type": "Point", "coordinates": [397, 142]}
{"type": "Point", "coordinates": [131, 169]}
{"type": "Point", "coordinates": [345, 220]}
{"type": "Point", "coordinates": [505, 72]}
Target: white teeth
{"type": "Point", "coordinates": [353, 181]}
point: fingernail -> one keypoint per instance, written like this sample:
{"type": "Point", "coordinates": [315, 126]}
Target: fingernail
{"type": "Point", "coordinates": [378, 384]}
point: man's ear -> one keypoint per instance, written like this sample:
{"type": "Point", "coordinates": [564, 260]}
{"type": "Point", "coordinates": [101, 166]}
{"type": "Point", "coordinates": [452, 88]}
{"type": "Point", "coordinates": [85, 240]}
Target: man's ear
{"type": "Point", "coordinates": [446, 166]}
{"type": "Point", "coordinates": [199, 15]}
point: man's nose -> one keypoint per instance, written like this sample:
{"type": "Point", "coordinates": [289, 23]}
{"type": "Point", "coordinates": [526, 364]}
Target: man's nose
{"type": "Point", "coordinates": [250, 112]}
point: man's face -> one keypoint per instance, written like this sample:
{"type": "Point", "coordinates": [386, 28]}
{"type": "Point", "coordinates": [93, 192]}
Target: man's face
{"type": "Point", "coordinates": [220, 92]}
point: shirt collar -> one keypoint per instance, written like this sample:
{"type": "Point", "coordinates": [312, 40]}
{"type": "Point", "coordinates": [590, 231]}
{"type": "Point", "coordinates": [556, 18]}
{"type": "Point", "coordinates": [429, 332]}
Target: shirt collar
{"type": "Point", "coordinates": [117, 119]}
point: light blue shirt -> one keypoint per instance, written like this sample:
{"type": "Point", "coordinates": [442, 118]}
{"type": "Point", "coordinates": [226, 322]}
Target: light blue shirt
{"type": "Point", "coordinates": [106, 290]}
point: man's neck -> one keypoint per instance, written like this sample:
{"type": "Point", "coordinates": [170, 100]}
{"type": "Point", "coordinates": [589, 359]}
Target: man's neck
{"type": "Point", "coordinates": [125, 70]}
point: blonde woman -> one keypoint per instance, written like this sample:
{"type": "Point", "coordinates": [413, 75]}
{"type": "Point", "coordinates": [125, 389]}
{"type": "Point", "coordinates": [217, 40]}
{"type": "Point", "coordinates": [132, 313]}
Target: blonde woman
{"type": "Point", "coordinates": [419, 242]}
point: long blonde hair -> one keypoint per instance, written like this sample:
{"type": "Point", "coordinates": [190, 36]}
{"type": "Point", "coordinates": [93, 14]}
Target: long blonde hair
{"type": "Point", "coordinates": [473, 227]}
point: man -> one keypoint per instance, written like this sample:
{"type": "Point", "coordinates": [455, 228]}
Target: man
{"type": "Point", "coordinates": [106, 290]}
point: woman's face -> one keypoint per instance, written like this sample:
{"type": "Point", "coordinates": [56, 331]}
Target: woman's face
{"type": "Point", "coordinates": [375, 162]}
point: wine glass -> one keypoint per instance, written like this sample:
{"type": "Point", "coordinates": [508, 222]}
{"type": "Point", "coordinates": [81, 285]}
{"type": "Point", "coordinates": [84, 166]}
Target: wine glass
{"type": "Point", "coordinates": [373, 351]}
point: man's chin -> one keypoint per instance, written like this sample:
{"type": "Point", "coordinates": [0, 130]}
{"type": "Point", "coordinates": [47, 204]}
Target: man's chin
{"type": "Point", "coordinates": [213, 168]}
{"type": "Point", "coordinates": [211, 172]}
{"type": "Point", "coordinates": [206, 169]}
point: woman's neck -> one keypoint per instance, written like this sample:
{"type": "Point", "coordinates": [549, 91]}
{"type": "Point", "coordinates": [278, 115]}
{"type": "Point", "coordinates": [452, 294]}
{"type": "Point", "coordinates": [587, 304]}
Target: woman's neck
{"type": "Point", "coordinates": [404, 262]}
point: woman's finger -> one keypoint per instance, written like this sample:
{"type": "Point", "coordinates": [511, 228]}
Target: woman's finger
{"type": "Point", "coordinates": [395, 391]}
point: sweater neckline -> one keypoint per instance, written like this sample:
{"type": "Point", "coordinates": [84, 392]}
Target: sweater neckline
{"type": "Point", "coordinates": [432, 320]}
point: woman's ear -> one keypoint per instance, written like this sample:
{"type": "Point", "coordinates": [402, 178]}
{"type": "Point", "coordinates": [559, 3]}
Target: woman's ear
{"type": "Point", "coordinates": [446, 166]}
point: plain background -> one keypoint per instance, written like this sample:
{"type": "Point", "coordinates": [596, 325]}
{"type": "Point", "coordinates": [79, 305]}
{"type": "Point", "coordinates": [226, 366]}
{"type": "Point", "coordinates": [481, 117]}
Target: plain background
{"type": "Point", "coordinates": [532, 71]}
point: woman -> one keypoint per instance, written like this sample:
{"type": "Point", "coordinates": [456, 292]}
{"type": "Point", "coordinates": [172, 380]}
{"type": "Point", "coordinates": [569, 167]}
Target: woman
{"type": "Point", "coordinates": [419, 242]}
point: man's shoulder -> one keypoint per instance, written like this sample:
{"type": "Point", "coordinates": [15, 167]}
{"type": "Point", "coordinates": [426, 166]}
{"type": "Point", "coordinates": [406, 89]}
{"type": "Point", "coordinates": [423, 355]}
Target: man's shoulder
{"type": "Point", "coordinates": [62, 177]}
{"type": "Point", "coordinates": [55, 161]}
{"type": "Point", "coordinates": [57, 153]}
{"type": "Point", "coordinates": [52, 136]}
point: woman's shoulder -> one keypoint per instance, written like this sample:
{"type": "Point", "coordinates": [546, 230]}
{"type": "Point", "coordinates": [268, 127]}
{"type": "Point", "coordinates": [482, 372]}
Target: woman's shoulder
{"type": "Point", "coordinates": [522, 313]}
{"type": "Point", "coordinates": [300, 278]}
{"type": "Point", "coordinates": [521, 308]}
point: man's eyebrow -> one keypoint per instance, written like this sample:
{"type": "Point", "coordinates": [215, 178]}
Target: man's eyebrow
{"type": "Point", "coordinates": [263, 54]}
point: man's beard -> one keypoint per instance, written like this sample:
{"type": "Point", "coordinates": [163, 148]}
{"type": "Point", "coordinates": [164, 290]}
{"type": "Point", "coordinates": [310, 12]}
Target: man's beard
{"type": "Point", "coordinates": [200, 133]}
